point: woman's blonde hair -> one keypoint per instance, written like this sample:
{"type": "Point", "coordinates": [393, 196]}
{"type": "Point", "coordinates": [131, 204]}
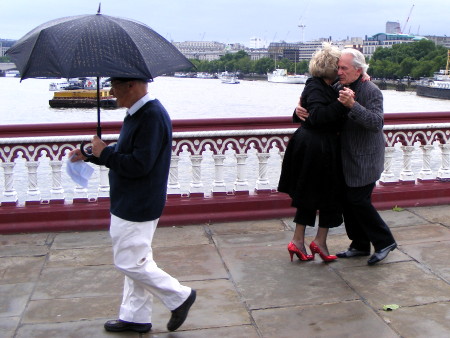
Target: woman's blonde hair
{"type": "Point", "coordinates": [324, 62]}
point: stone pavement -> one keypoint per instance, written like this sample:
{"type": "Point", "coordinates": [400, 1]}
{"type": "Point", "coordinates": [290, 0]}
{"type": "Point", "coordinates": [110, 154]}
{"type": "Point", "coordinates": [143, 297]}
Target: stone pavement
{"type": "Point", "coordinates": [64, 284]}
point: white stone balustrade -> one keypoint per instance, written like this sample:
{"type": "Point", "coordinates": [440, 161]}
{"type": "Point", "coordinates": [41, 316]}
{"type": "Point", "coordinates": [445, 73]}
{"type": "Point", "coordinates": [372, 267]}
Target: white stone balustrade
{"type": "Point", "coordinates": [210, 162]}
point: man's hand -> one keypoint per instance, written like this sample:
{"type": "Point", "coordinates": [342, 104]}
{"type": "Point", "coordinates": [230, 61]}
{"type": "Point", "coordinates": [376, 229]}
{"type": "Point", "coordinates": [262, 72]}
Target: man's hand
{"type": "Point", "coordinates": [347, 97]}
{"type": "Point", "coordinates": [76, 155]}
{"type": "Point", "coordinates": [97, 146]}
{"type": "Point", "coordinates": [301, 112]}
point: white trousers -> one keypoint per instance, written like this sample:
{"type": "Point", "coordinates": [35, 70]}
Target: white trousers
{"type": "Point", "coordinates": [131, 243]}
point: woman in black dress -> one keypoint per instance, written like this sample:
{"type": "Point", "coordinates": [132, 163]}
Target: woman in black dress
{"type": "Point", "coordinates": [311, 172]}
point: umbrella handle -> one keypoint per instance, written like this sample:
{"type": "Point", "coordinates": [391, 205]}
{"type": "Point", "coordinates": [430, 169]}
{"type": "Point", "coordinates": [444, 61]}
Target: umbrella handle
{"type": "Point", "coordinates": [86, 153]}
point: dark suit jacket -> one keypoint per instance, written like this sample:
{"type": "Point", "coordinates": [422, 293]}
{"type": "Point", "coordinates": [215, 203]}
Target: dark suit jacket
{"type": "Point", "coordinates": [362, 137]}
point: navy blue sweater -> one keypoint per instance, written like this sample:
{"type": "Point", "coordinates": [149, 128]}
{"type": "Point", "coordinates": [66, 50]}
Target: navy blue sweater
{"type": "Point", "coordinates": [139, 164]}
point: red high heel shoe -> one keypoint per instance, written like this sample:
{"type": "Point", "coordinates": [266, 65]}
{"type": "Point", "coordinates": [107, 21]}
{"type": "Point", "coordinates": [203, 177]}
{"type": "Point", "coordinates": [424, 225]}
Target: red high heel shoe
{"type": "Point", "coordinates": [315, 249]}
{"type": "Point", "coordinates": [292, 248]}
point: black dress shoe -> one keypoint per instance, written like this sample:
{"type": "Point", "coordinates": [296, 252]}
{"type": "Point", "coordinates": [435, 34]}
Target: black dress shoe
{"type": "Point", "coordinates": [121, 325]}
{"type": "Point", "coordinates": [180, 313]}
{"type": "Point", "coordinates": [381, 254]}
{"type": "Point", "coordinates": [352, 252]}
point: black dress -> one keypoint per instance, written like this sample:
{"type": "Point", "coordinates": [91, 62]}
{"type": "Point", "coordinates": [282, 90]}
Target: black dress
{"type": "Point", "coordinates": [311, 172]}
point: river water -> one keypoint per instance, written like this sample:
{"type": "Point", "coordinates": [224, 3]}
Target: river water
{"type": "Point", "coordinates": [185, 98]}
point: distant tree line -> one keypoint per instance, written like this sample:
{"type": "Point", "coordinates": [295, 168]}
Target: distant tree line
{"type": "Point", "coordinates": [240, 62]}
{"type": "Point", "coordinates": [416, 59]}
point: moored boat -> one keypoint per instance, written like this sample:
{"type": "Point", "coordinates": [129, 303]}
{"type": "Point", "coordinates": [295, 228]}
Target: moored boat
{"type": "Point", "coordinates": [434, 89]}
{"type": "Point", "coordinates": [439, 86]}
{"type": "Point", "coordinates": [82, 98]}
{"type": "Point", "coordinates": [282, 76]}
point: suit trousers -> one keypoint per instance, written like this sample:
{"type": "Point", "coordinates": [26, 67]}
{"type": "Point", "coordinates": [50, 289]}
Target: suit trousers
{"type": "Point", "coordinates": [131, 243]}
{"type": "Point", "coordinates": [362, 222]}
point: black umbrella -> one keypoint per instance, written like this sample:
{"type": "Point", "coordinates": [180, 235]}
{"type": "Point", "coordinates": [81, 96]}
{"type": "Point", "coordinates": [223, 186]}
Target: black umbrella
{"type": "Point", "coordinates": [95, 46]}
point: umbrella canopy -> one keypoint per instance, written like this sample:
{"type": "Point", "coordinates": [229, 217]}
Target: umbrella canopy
{"type": "Point", "coordinates": [95, 46]}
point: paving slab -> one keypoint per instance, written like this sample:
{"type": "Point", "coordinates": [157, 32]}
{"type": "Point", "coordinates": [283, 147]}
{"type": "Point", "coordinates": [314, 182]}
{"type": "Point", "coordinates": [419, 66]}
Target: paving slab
{"type": "Point", "coordinates": [25, 239]}
{"type": "Point", "coordinates": [14, 298]}
{"type": "Point", "coordinates": [430, 320]}
{"type": "Point", "coordinates": [23, 250]}
{"type": "Point", "coordinates": [402, 218]}
{"type": "Point", "coordinates": [8, 326]}
{"type": "Point", "coordinates": [433, 255]}
{"type": "Point", "coordinates": [421, 234]}
{"type": "Point", "coordinates": [74, 329]}
{"type": "Point", "coordinates": [217, 305]}
{"type": "Point", "coordinates": [195, 262]}
{"type": "Point", "coordinates": [14, 270]}
{"type": "Point", "coordinates": [89, 239]}
{"type": "Point", "coordinates": [71, 309]}
{"type": "Point", "coordinates": [242, 331]}
{"type": "Point", "coordinates": [402, 283]}
{"type": "Point", "coordinates": [279, 238]}
{"type": "Point", "coordinates": [249, 227]}
{"type": "Point", "coordinates": [89, 256]}
{"type": "Point", "coordinates": [265, 277]}
{"type": "Point", "coordinates": [434, 214]}
{"type": "Point", "coordinates": [344, 319]}
{"type": "Point", "coordinates": [74, 282]}
{"type": "Point", "coordinates": [180, 236]}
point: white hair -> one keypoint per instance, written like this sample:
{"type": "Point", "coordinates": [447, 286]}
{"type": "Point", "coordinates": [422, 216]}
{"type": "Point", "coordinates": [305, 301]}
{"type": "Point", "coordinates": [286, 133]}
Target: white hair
{"type": "Point", "coordinates": [359, 60]}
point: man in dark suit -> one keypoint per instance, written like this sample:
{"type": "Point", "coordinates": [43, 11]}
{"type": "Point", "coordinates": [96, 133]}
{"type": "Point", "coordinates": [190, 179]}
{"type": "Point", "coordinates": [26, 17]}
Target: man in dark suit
{"type": "Point", "coordinates": [363, 147]}
{"type": "Point", "coordinates": [138, 171]}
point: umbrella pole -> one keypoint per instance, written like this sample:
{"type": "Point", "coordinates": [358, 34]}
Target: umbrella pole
{"type": "Point", "coordinates": [99, 128]}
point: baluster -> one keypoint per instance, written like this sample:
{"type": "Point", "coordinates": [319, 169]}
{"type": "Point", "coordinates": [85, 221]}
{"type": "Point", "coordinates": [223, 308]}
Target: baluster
{"type": "Point", "coordinates": [80, 194]}
{"type": "Point", "coordinates": [10, 193]}
{"type": "Point", "coordinates": [407, 175]}
{"type": "Point", "coordinates": [174, 187]}
{"type": "Point", "coordinates": [103, 185]}
{"type": "Point", "coordinates": [262, 183]}
{"type": "Point", "coordinates": [196, 186]}
{"type": "Point", "coordinates": [426, 174]}
{"type": "Point", "coordinates": [444, 170]}
{"type": "Point", "coordinates": [33, 193]}
{"type": "Point", "coordinates": [388, 177]}
{"type": "Point", "coordinates": [57, 191]}
{"type": "Point", "coordinates": [218, 187]}
{"type": "Point", "coordinates": [241, 183]}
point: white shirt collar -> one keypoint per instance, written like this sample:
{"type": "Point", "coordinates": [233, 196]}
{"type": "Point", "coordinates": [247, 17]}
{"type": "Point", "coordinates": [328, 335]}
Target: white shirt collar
{"type": "Point", "coordinates": [139, 103]}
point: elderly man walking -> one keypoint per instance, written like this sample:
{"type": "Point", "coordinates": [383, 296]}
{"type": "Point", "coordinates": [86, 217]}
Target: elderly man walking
{"type": "Point", "coordinates": [138, 171]}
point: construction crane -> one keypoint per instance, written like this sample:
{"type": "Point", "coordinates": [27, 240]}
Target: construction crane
{"type": "Point", "coordinates": [302, 27]}
{"type": "Point", "coordinates": [407, 19]}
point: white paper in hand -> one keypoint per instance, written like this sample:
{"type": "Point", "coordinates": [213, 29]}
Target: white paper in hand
{"type": "Point", "coordinates": [79, 172]}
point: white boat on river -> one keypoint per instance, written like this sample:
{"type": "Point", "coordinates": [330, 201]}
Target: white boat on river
{"type": "Point", "coordinates": [228, 78]}
{"type": "Point", "coordinates": [282, 76]}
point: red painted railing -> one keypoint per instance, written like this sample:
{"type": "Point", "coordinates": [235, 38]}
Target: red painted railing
{"type": "Point", "coordinates": [257, 146]}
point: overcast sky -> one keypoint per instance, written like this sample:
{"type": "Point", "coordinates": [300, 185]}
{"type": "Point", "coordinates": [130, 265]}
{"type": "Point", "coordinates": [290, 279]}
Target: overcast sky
{"type": "Point", "coordinates": [232, 21]}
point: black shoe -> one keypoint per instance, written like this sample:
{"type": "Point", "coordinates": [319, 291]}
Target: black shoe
{"type": "Point", "coordinates": [352, 252]}
{"type": "Point", "coordinates": [381, 254]}
{"type": "Point", "coordinates": [180, 313]}
{"type": "Point", "coordinates": [121, 325]}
